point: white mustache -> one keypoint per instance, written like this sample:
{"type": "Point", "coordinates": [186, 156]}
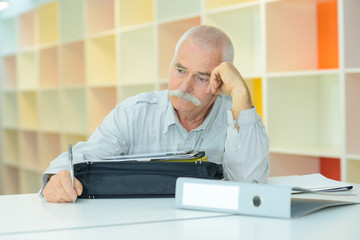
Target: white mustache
{"type": "Point", "coordinates": [184, 95]}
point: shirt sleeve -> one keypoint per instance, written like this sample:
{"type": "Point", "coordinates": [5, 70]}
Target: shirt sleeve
{"type": "Point", "coordinates": [246, 156]}
{"type": "Point", "coordinates": [110, 138]}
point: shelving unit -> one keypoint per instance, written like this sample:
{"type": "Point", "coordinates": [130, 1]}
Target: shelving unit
{"type": "Point", "coordinates": [66, 64]}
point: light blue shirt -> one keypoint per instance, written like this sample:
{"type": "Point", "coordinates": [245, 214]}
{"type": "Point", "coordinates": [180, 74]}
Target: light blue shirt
{"type": "Point", "coordinates": [147, 123]}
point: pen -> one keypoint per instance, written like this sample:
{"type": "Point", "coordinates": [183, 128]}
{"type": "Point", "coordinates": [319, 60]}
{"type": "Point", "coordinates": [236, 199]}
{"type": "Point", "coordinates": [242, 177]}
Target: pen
{"type": "Point", "coordinates": [70, 155]}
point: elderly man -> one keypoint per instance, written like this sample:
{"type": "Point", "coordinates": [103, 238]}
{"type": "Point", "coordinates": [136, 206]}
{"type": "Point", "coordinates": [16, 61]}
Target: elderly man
{"type": "Point", "coordinates": [207, 107]}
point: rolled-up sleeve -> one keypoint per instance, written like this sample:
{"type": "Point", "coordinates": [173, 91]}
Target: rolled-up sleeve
{"type": "Point", "coordinates": [246, 156]}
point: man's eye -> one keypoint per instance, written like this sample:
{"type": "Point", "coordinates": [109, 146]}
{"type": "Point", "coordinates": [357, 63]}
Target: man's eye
{"type": "Point", "coordinates": [202, 79]}
{"type": "Point", "coordinates": [182, 71]}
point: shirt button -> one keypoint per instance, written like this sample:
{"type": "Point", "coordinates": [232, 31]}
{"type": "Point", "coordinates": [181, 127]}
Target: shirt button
{"type": "Point", "coordinates": [239, 146]}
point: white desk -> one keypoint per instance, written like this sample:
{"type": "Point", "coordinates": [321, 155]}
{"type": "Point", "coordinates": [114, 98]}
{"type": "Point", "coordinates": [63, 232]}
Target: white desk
{"type": "Point", "coordinates": [31, 217]}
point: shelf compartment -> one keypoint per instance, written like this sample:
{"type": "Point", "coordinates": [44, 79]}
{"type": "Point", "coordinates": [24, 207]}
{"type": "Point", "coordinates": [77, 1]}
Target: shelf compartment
{"type": "Point", "coordinates": [27, 29]}
{"type": "Point", "coordinates": [255, 88]}
{"type": "Point", "coordinates": [72, 139]}
{"type": "Point", "coordinates": [169, 34]}
{"type": "Point", "coordinates": [73, 111]}
{"type": "Point", "coordinates": [304, 112]}
{"type": "Point", "coordinates": [330, 168]}
{"type": "Point", "coordinates": [211, 4]}
{"type": "Point", "coordinates": [11, 180]}
{"type": "Point", "coordinates": [294, 31]}
{"type": "Point", "coordinates": [169, 9]}
{"type": "Point", "coordinates": [101, 60]}
{"type": "Point", "coordinates": [30, 181]}
{"type": "Point", "coordinates": [130, 91]}
{"type": "Point", "coordinates": [72, 64]}
{"type": "Point", "coordinates": [351, 33]}
{"type": "Point", "coordinates": [284, 164]}
{"type": "Point", "coordinates": [353, 170]}
{"type": "Point", "coordinates": [100, 15]}
{"type": "Point", "coordinates": [352, 99]}
{"type": "Point", "coordinates": [49, 115]}
{"type": "Point", "coordinates": [247, 47]}
{"type": "Point", "coordinates": [137, 56]}
{"type": "Point", "coordinates": [10, 146]}
{"type": "Point", "coordinates": [135, 12]}
{"type": "Point", "coordinates": [48, 67]}
{"type": "Point", "coordinates": [71, 19]}
{"type": "Point", "coordinates": [9, 36]}
{"type": "Point", "coordinates": [28, 144]}
{"type": "Point", "coordinates": [9, 78]}
{"type": "Point", "coordinates": [49, 149]}
{"type": "Point", "coordinates": [28, 111]}
{"type": "Point", "coordinates": [10, 107]}
{"type": "Point", "coordinates": [101, 102]}
{"type": "Point", "coordinates": [26, 70]}
{"type": "Point", "coordinates": [48, 23]}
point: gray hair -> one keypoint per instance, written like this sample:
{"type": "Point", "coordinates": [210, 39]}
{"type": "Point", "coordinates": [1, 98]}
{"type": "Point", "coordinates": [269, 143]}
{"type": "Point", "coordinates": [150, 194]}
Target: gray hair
{"type": "Point", "coordinates": [209, 37]}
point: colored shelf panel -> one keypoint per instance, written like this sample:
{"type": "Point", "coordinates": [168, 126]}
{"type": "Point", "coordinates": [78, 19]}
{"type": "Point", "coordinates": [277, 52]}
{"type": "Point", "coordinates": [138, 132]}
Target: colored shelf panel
{"type": "Point", "coordinates": [211, 4]}
{"type": "Point", "coordinates": [28, 111]}
{"type": "Point", "coordinates": [73, 114]}
{"type": "Point", "coordinates": [247, 47]}
{"type": "Point", "coordinates": [137, 54]}
{"type": "Point", "coordinates": [26, 71]}
{"type": "Point", "coordinates": [27, 29]}
{"type": "Point", "coordinates": [135, 12]}
{"type": "Point", "coordinates": [28, 144]}
{"type": "Point", "coordinates": [101, 60]}
{"type": "Point", "coordinates": [72, 139]}
{"type": "Point", "coordinates": [30, 181]}
{"type": "Point", "coordinates": [169, 34]}
{"type": "Point", "coordinates": [11, 180]}
{"type": "Point", "coordinates": [304, 112]}
{"type": "Point", "coordinates": [9, 36]}
{"type": "Point", "coordinates": [48, 67]}
{"type": "Point", "coordinates": [330, 168]}
{"type": "Point", "coordinates": [9, 76]}
{"type": "Point", "coordinates": [49, 115]}
{"type": "Point", "coordinates": [351, 33]}
{"type": "Point", "coordinates": [71, 19]}
{"type": "Point", "coordinates": [101, 102]}
{"type": "Point", "coordinates": [48, 23]}
{"type": "Point", "coordinates": [100, 15]}
{"type": "Point", "coordinates": [294, 31]}
{"type": "Point", "coordinates": [10, 108]}
{"type": "Point", "coordinates": [10, 146]}
{"type": "Point", "coordinates": [129, 91]}
{"type": "Point", "coordinates": [352, 99]}
{"type": "Point", "coordinates": [284, 164]}
{"type": "Point", "coordinates": [72, 64]}
{"type": "Point", "coordinates": [327, 24]}
{"type": "Point", "coordinates": [169, 9]}
{"type": "Point", "coordinates": [49, 149]}
{"type": "Point", "coordinates": [353, 170]}
{"type": "Point", "coordinates": [255, 88]}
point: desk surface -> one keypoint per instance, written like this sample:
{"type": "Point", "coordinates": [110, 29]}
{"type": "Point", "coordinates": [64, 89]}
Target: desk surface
{"type": "Point", "coordinates": [31, 217]}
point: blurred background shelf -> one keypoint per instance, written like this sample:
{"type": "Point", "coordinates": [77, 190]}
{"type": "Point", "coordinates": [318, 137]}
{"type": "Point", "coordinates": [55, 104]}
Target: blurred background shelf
{"type": "Point", "coordinates": [65, 65]}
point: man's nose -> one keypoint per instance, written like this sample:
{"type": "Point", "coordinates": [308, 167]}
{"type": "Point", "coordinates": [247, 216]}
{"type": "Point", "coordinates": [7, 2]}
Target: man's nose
{"type": "Point", "coordinates": [186, 84]}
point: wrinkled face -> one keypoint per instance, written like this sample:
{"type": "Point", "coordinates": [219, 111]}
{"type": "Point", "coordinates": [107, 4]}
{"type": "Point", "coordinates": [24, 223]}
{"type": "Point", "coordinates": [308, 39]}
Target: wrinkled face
{"type": "Point", "coordinates": [190, 73]}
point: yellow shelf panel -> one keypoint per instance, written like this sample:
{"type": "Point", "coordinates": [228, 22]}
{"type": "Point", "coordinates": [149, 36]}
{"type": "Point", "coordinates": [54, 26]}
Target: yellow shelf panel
{"type": "Point", "coordinates": [129, 91]}
{"type": "Point", "coordinates": [353, 170]}
{"type": "Point", "coordinates": [169, 9]}
{"type": "Point", "coordinates": [28, 111]}
{"type": "Point", "coordinates": [49, 114]}
{"type": "Point", "coordinates": [28, 144]}
{"type": "Point", "coordinates": [140, 67]}
{"type": "Point", "coordinates": [30, 181]}
{"type": "Point", "coordinates": [11, 180]}
{"type": "Point", "coordinates": [101, 59]}
{"type": "Point", "coordinates": [26, 70]}
{"type": "Point", "coordinates": [10, 146]}
{"type": "Point", "coordinates": [255, 88]}
{"type": "Point", "coordinates": [10, 107]}
{"type": "Point", "coordinates": [49, 149]}
{"type": "Point", "coordinates": [48, 23]}
{"type": "Point", "coordinates": [211, 4]}
{"type": "Point", "coordinates": [135, 12]}
{"type": "Point", "coordinates": [72, 139]}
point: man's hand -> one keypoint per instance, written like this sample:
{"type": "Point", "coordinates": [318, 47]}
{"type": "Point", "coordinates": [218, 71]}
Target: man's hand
{"type": "Point", "coordinates": [226, 79]}
{"type": "Point", "coordinates": [59, 188]}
